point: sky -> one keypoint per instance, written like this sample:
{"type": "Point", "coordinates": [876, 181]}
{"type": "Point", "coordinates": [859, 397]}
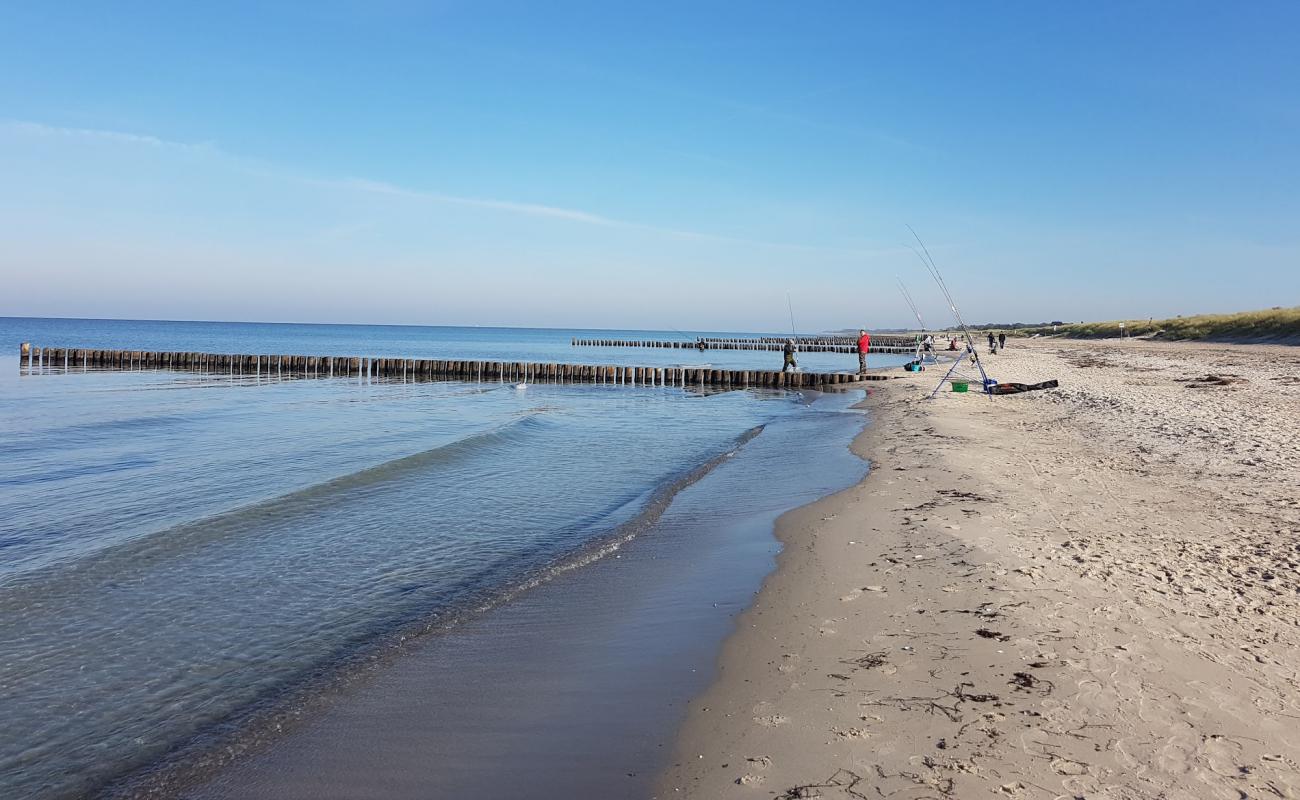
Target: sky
{"type": "Point", "coordinates": [667, 164]}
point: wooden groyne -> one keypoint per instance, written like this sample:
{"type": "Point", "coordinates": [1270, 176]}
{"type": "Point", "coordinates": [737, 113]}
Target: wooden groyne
{"type": "Point", "coordinates": [882, 344]}
{"type": "Point", "coordinates": [34, 358]}
{"type": "Point", "coordinates": [885, 339]}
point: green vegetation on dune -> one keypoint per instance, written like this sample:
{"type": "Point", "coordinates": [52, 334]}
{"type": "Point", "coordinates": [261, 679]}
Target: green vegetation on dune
{"type": "Point", "coordinates": [1274, 325]}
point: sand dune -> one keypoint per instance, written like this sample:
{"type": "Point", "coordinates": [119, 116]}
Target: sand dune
{"type": "Point", "coordinates": [1087, 592]}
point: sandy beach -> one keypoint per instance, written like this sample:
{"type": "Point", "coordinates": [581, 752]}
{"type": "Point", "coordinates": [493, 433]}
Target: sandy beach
{"type": "Point", "coordinates": [1084, 592]}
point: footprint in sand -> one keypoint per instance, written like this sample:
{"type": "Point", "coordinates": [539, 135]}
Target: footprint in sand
{"type": "Point", "coordinates": [1277, 760]}
{"type": "Point", "coordinates": [851, 596]}
{"type": "Point", "coordinates": [851, 733]}
{"type": "Point", "coordinates": [763, 716]}
{"type": "Point", "coordinates": [1064, 766]}
{"type": "Point", "coordinates": [759, 762]}
{"type": "Point", "coordinates": [751, 780]}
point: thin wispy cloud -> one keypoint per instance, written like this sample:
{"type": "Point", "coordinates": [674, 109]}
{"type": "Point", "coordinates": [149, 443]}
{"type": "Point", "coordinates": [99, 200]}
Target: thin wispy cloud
{"type": "Point", "coordinates": [369, 186]}
{"type": "Point", "coordinates": [572, 215]}
{"type": "Point", "coordinates": [533, 209]}
{"type": "Point", "coordinates": [39, 129]}
{"type": "Point", "coordinates": [530, 209]}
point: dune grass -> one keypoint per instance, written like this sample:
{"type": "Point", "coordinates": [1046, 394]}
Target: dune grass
{"type": "Point", "coordinates": [1272, 325]}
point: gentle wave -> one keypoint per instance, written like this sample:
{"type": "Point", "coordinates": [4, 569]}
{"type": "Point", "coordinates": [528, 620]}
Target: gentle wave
{"type": "Point", "coordinates": [246, 518]}
{"type": "Point", "coordinates": [82, 434]}
{"type": "Point", "coordinates": [654, 504]}
{"type": "Point", "coordinates": [78, 471]}
{"type": "Point", "coordinates": [281, 707]}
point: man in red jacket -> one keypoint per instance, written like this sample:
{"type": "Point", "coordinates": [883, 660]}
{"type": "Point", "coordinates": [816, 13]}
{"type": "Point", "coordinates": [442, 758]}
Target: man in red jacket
{"type": "Point", "coordinates": [864, 344]}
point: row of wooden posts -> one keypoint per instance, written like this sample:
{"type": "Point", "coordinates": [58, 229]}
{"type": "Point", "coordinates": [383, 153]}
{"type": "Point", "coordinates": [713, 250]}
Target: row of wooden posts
{"type": "Point", "coordinates": [746, 344]}
{"type": "Point", "coordinates": [34, 358]}
{"type": "Point", "coordinates": [908, 341]}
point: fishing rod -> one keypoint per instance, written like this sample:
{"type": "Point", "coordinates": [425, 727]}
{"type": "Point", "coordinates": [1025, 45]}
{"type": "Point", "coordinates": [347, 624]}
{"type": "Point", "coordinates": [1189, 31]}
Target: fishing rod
{"type": "Point", "coordinates": [933, 269]}
{"type": "Point", "coordinates": [911, 304]}
{"type": "Point", "coordinates": [684, 336]}
{"type": "Point", "coordinates": [794, 337]}
{"type": "Point", "coordinates": [938, 280]}
{"type": "Point", "coordinates": [928, 260]}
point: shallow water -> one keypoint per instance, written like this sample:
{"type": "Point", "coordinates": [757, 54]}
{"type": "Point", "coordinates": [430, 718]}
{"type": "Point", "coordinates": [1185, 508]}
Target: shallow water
{"type": "Point", "coordinates": [176, 549]}
{"type": "Point", "coordinates": [576, 688]}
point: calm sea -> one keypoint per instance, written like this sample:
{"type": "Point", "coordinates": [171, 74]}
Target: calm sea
{"type": "Point", "coordinates": [176, 548]}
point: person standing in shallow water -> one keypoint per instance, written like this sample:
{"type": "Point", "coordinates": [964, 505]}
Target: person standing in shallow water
{"type": "Point", "coordinates": [864, 344]}
{"type": "Point", "coordinates": [789, 356]}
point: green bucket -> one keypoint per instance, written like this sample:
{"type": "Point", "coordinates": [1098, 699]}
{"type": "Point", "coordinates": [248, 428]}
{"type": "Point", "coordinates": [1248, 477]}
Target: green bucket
{"type": "Point", "coordinates": [960, 386]}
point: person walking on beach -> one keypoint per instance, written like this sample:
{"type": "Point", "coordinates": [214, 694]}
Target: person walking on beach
{"type": "Point", "coordinates": [993, 345]}
{"type": "Point", "coordinates": [864, 344]}
{"type": "Point", "coordinates": [788, 350]}
{"type": "Point", "coordinates": [928, 343]}
{"type": "Point", "coordinates": [1002, 340]}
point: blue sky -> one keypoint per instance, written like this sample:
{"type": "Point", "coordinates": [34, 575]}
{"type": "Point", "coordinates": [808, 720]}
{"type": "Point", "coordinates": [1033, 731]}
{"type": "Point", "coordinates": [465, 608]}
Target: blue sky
{"type": "Point", "coordinates": [672, 164]}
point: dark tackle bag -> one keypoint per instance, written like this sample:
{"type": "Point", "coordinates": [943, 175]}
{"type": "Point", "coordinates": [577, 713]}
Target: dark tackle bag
{"type": "Point", "coordinates": [1017, 388]}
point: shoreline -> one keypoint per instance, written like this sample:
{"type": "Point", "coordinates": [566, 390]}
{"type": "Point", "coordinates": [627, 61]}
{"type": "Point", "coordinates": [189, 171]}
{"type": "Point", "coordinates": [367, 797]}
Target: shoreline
{"type": "Point", "coordinates": [294, 706]}
{"type": "Point", "coordinates": [667, 599]}
{"type": "Point", "coordinates": [251, 575]}
{"type": "Point", "coordinates": [1083, 592]}
{"type": "Point", "coordinates": [290, 707]}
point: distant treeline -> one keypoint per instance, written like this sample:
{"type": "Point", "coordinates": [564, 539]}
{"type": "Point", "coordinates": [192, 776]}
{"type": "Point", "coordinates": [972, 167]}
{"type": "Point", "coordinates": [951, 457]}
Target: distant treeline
{"type": "Point", "coordinates": [1276, 325]}
{"type": "Point", "coordinates": [984, 326]}
{"type": "Point", "coordinates": [1013, 326]}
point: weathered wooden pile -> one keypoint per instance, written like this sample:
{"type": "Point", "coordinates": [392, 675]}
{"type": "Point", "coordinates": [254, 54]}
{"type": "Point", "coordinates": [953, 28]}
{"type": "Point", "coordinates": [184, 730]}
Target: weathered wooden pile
{"type": "Point", "coordinates": [880, 344]}
{"type": "Point", "coordinates": [424, 369]}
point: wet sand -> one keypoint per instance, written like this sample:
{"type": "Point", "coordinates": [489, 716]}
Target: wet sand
{"type": "Point", "coordinates": [1087, 592]}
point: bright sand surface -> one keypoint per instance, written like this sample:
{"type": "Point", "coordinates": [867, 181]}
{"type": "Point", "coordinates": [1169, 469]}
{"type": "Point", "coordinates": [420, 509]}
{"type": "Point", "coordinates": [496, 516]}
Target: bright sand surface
{"type": "Point", "coordinates": [1084, 592]}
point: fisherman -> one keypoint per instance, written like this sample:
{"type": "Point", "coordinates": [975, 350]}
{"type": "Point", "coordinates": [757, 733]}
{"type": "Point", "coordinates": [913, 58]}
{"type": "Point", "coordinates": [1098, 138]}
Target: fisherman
{"type": "Point", "coordinates": [864, 344]}
{"type": "Point", "coordinates": [928, 343]}
{"type": "Point", "coordinates": [788, 350]}
{"type": "Point", "coordinates": [1002, 340]}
